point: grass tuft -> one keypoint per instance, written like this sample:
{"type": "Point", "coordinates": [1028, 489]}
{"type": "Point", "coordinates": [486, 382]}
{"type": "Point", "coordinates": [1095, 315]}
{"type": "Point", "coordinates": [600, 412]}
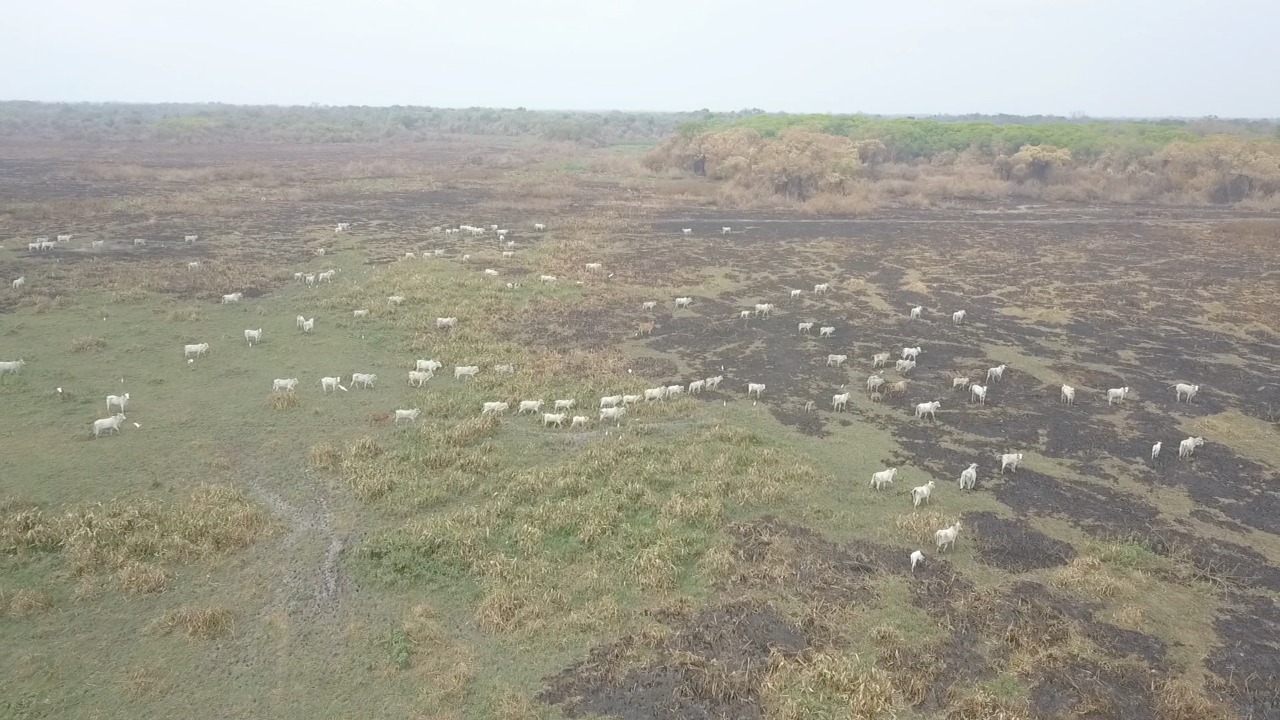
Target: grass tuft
{"type": "Point", "coordinates": [324, 456]}
{"type": "Point", "coordinates": [88, 343]}
{"type": "Point", "coordinates": [1181, 699]}
{"type": "Point", "coordinates": [920, 527]}
{"type": "Point", "coordinates": [196, 623]}
{"type": "Point", "coordinates": [814, 684]}
{"type": "Point", "coordinates": [137, 578]}
{"type": "Point", "coordinates": [1088, 575]}
{"type": "Point", "coordinates": [280, 401]}
{"type": "Point", "coordinates": [27, 602]}
{"type": "Point", "coordinates": [145, 682]}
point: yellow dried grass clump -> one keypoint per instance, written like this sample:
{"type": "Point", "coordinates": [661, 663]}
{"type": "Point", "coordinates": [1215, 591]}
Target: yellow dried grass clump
{"type": "Point", "coordinates": [196, 623]}
{"type": "Point", "coordinates": [87, 343]}
{"type": "Point", "coordinates": [841, 687]}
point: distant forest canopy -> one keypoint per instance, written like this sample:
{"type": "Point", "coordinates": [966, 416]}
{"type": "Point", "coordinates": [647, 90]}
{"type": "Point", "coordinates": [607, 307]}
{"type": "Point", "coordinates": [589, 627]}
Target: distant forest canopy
{"type": "Point", "coordinates": [904, 137]}
{"type": "Point", "coordinates": [907, 138]}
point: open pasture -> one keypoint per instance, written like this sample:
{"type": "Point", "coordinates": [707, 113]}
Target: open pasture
{"type": "Point", "coordinates": [262, 553]}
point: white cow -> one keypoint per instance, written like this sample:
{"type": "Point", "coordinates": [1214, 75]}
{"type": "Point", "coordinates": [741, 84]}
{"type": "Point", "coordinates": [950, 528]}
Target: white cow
{"type": "Point", "coordinates": [234, 297]}
{"type": "Point", "coordinates": [284, 384]}
{"type": "Point", "coordinates": [1185, 389]}
{"type": "Point", "coordinates": [465, 371]}
{"type": "Point", "coordinates": [493, 408]}
{"type": "Point", "coordinates": [978, 392]}
{"type": "Point", "coordinates": [197, 349]}
{"type": "Point", "coordinates": [756, 388]}
{"type": "Point", "coordinates": [410, 415]}
{"type": "Point", "coordinates": [330, 384]}
{"type": "Point", "coordinates": [417, 377]}
{"type": "Point", "coordinates": [921, 493]}
{"type": "Point", "coordinates": [957, 317]}
{"type": "Point", "coordinates": [17, 284]}
{"type": "Point", "coordinates": [1010, 460]}
{"type": "Point", "coordinates": [117, 401]}
{"type": "Point", "coordinates": [111, 424]}
{"type": "Point", "coordinates": [531, 406]}
{"type": "Point", "coordinates": [916, 311]}
{"type": "Point", "coordinates": [969, 477]}
{"type": "Point", "coordinates": [838, 402]}
{"type": "Point", "coordinates": [364, 380]}
{"type": "Point", "coordinates": [1117, 394]}
{"type": "Point", "coordinates": [556, 419]}
{"type": "Point", "coordinates": [928, 408]}
{"type": "Point", "coordinates": [1188, 446]}
{"type": "Point", "coordinates": [613, 413]}
{"type": "Point", "coordinates": [882, 478]}
{"type": "Point", "coordinates": [253, 336]}
{"type": "Point", "coordinates": [1068, 395]}
{"type": "Point", "coordinates": [996, 373]}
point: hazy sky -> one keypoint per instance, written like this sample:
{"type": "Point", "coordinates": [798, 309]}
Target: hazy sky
{"type": "Point", "coordinates": [1100, 57]}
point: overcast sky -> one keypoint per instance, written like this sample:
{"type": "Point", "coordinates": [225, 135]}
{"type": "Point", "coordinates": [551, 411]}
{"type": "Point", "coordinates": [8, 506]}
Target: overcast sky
{"type": "Point", "coordinates": [1099, 57]}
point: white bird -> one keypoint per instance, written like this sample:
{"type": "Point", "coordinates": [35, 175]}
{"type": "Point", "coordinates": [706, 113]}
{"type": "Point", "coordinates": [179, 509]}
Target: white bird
{"type": "Point", "coordinates": [917, 557]}
{"type": "Point", "coordinates": [190, 360]}
{"type": "Point", "coordinates": [137, 425]}
{"type": "Point", "coordinates": [342, 388]}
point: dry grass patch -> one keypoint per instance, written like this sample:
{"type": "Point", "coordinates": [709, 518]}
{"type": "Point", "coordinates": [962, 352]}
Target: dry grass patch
{"type": "Point", "coordinates": [826, 685]}
{"type": "Point", "coordinates": [196, 623]}
{"type": "Point", "coordinates": [184, 315]}
{"type": "Point", "coordinates": [130, 540]}
{"type": "Point", "coordinates": [1088, 575]}
{"type": "Point", "coordinates": [27, 602]}
{"type": "Point", "coordinates": [324, 456]}
{"type": "Point", "coordinates": [145, 682]}
{"type": "Point", "coordinates": [981, 703]}
{"type": "Point", "coordinates": [921, 526]}
{"type": "Point", "coordinates": [88, 343]}
{"type": "Point", "coordinates": [280, 401]}
{"type": "Point", "coordinates": [138, 578]}
{"type": "Point", "coordinates": [1181, 699]}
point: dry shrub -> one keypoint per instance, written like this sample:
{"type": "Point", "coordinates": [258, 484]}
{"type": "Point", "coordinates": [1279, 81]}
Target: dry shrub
{"type": "Point", "coordinates": [280, 401]}
{"type": "Point", "coordinates": [981, 704]}
{"type": "Point", "coordinates": [184, 315]}
{"type": "Point", "coordinates": [506, 610]}
{"type": "Point", "coordinates": [27, 602]}
{"type": "Point", "coordinates": [516, 705]}
{"type": "Point", "coordinates": [921, 526]}
{"type": "Point", "coordinates": [215, 519]}
{"type": "Point", "coordinates": [370, 482]}
{"type": "Point", "coordinates": [1088, 575]}
{"type": "Point", "coordinates": [1130, 616]}
{"type": "Point", "coordinates": [825, 685]}
{"type": "Point", "coordinates": [128, 295]}
{"type": "Point", "coordinates": [138, 578]}
{"type": "Point", "coordinates": [144, 682]}
{"type": "Point", "coordinates": [87, 343]}
{"type": "Point", "coordinates": [1181, 699]}
{"type": "Point", "coordinates": [196, 623]}
{"type": "Point", "coordinates": [861, 199]}
{"type": "Point", "coordinates": [423, 628]}
{"type": "Point", "coordinates": [471, 430]}
{"type": "Point", "coordinates": [324, 456]}
{"type": "Point", "coordinates": [365, 447]}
